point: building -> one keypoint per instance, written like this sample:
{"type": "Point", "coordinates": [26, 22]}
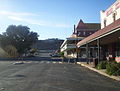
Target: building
{"type": "Point", "coordinates": [106, 41]}
{"type": "Point", "coordinates": [80, 32]}
{"type": "Point", "coordinates": [110, 15]}
{"type": "Point", "coordinates": [69, 47]}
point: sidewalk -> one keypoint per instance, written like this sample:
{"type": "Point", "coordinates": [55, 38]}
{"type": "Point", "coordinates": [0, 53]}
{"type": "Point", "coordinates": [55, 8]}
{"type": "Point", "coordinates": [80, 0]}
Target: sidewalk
{"type": "Point", "coordinates": [102, 72]}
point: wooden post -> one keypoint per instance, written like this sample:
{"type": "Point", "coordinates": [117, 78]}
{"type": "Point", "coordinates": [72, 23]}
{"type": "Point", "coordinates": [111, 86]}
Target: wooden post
{"type": "Point", "coordinates": [76, 51]}
{"type": "Point", "coordinates": [87, 52]}
{"type": "Point", "coordinates": [98, 44]}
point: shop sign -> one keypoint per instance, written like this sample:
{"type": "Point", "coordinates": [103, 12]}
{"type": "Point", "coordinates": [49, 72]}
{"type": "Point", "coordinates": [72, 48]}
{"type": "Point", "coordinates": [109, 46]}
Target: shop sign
{"type": "Point", "coordinates": [108, 12]}
{"type": "Point", "coordinates": [117, 5]}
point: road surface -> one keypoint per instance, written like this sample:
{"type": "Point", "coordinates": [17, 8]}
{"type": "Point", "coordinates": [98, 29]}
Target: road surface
{"type": "Point", "coordinates": [52, 76]}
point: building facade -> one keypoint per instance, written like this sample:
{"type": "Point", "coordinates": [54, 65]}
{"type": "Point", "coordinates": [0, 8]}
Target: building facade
{"type": "Point", "coordinates": [110, 15]}
{"type": "Point", "coordinates": [69, 46]}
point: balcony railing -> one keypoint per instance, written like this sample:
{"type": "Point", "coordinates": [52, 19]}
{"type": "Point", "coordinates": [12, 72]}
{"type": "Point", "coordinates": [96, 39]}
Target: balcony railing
{"type": "Point", "coordinates": [71, 46]}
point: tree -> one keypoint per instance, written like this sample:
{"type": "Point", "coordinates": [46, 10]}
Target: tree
{"type": "Point", "coordinates": [19, 37]}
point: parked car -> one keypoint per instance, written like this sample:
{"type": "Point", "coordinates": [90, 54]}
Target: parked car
{"type": "Point", "coordinates": [55, 55]}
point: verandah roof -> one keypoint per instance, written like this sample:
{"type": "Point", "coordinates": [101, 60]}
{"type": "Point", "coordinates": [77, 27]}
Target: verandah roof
{"type": "Point", "coordinates": [100, 33]}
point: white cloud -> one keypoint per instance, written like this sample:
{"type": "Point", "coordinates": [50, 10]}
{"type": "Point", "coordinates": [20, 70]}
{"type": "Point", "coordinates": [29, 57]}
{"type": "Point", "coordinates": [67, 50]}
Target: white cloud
{"type": "Point", "coordinates": [20, 17]}
{"type": "Point", "coordinates": [39, 22]}
{"type": "Point", "coordinates": [62, 25]}
{"type": "Point", "coordinates": [17, 13]}
{"type": "Point", "coordinates": [15, 18]}
{"type": "Point", "coordinates": [30, 21]}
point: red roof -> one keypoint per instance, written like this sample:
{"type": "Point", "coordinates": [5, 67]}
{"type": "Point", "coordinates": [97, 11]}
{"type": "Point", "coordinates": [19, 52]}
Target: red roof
{"type": "Point", "coordinates": [100, 32]}
{"type": "Point", "coordinates": [81, 25]}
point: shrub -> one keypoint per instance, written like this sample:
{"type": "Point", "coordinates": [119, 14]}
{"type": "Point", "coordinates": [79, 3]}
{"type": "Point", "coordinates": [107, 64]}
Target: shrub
{"type": "Point", "coordinates": [113, 68]}
{"type": "Point", "coordinates": [61, 54]}
{"type": "Point", "coordinates": [11, 51]}
{"type": "Point", "coordinates": [102, 65]}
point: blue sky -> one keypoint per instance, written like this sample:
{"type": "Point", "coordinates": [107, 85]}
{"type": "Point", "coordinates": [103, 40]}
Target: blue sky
{"type": "Point", "coordinates": [50, 18]}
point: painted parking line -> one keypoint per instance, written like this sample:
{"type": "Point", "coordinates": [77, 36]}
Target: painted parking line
{"type": "Point", "coordinates": [54, 62]}
{"type": "Point", "coordinates": [48, 62]}
{"type": "Point", "coordinates": [60, 62]}
{"type": "Point", "coordinates": [42, 62]}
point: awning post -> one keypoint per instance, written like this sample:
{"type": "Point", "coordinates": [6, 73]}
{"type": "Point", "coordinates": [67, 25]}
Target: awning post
{"type": "Point", "coordinates": [87, 55]}
{"type": "Point", "coordinates": [98, 44]}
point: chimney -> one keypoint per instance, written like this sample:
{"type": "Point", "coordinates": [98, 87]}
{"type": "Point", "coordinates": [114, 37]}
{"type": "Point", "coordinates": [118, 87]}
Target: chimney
{"type": "Point", "coordinates": [74, 29]}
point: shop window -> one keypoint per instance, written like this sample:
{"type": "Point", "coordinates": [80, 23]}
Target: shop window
{"type": "Point", "coordinates": [90, 33]}
{"type": "Point", "coordinates": [118, 50]}
{"type": "Point", "coordinates": [84, 33]}
{"type": "Point", "coordinates": [79, 33]}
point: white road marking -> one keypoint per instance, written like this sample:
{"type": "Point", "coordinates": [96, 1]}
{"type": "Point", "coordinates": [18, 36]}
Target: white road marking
{"type": "Point", "coordinates": [42, 62]}
{"type": "Point", "coordinates": [60, 62]}
{"type": "Point", "coordinates": [54, 62]}
{"type": "Point", "coordinates": [48, 62]}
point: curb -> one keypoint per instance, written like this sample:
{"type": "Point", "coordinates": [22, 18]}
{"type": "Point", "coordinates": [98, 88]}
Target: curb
{"type": "Point", "coordinates": [100, 72]}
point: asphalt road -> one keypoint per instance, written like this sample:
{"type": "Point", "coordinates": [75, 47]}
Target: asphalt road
{"type": "Point", "coordinates": [52, 76]}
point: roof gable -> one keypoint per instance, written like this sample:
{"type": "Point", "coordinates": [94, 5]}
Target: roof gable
{"type": "Point", "coordinates": [81, 25]}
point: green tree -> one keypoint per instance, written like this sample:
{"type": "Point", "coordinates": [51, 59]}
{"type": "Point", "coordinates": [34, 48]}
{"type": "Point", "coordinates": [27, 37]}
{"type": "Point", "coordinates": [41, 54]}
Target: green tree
{"type": "Point", "coordinates": [19, 37]}
{"type": "Point", "coordinates": [61, 54]}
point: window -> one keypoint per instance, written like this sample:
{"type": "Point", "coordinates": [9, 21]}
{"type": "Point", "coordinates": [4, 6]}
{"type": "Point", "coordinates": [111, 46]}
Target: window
{"type": "Point", "coordinates": [118, 50]}
{"type": "Point", "coordinates": [114, 17]}
{"type": "Point", "coordinates": [84, 33]}
{"type": "Point", "coordinates": [105, 23]}
{"type": "Point", "coordinates": [79, 33]}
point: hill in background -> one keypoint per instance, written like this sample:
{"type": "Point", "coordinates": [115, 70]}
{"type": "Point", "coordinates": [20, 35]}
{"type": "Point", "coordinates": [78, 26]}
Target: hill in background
{"type": "Point", "coordinates": [49, 44]}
